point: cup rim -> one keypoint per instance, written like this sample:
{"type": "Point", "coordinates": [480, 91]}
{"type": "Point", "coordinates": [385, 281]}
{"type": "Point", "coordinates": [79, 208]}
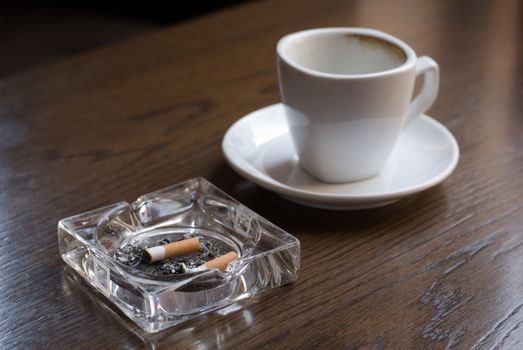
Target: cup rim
{"type": "Point", "coordinates": [407, 50]}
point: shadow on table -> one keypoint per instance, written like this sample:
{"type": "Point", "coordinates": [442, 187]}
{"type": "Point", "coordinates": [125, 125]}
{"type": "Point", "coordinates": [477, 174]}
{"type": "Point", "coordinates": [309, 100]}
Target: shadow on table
{"type": "Point", "coordinates": [302, 220]}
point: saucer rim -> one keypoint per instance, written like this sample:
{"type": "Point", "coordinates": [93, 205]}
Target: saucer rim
{"type": "Point", "coordinates": [266, 181]}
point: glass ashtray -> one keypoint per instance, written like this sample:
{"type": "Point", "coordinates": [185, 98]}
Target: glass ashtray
{"type": "Point", "coordinates": [153, 297]}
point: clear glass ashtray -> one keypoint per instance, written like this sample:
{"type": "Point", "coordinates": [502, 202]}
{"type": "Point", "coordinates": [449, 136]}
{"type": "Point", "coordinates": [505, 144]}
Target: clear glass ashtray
{"type": "Point", "coordinates": [97, 244]}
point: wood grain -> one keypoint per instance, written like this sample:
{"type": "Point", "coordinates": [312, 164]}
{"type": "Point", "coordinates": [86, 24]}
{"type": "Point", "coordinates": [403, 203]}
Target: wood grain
{"type": "Point", "coordinates": [440, 270]}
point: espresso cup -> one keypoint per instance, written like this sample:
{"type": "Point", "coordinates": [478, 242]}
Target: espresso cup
{"type": "Point", "coordinates": [347, 95]}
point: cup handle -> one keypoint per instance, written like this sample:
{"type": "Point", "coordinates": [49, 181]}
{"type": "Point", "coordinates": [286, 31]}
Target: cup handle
{"type": "Point", "coordinates": [430, 70]}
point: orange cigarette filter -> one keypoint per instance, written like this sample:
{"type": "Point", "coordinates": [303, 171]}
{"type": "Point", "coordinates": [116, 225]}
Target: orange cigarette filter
{"type": "Point", "coordinates": [182, 247]}
{"type": "Point", "coordinates": [222, 261]}
{"type": "Point", "coordinates": [173, 249]}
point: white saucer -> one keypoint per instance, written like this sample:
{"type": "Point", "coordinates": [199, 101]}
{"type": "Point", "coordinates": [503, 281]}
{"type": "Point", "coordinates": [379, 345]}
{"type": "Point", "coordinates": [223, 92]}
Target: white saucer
{"type": "Point", "coordinates": [258, 147]}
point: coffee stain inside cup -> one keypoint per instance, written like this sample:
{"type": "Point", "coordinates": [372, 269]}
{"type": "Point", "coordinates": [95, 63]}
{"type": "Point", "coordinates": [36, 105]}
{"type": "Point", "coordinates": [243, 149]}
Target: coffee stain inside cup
{"type": "Point", "coordinates": [373, 43]}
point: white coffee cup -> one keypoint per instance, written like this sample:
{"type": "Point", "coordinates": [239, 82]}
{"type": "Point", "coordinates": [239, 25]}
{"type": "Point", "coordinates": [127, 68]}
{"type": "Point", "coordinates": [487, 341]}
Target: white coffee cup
{"type": "Point", "coordinates": [347, 95]}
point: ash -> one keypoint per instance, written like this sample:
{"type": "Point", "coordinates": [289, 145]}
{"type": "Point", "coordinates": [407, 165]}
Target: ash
{"type": "Point", "coordinates": [133, 256]}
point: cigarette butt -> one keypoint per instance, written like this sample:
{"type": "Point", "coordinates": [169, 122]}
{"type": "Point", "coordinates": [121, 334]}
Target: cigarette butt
{"type": "Point", "coordinates": [222, 261]}
{"type": "Point", "coordinates": [170, 250]}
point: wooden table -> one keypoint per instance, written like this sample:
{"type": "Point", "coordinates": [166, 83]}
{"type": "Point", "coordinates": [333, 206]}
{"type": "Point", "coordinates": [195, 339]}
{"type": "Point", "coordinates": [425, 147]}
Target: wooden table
{"type": "Point", "coordinates": [443, 269]}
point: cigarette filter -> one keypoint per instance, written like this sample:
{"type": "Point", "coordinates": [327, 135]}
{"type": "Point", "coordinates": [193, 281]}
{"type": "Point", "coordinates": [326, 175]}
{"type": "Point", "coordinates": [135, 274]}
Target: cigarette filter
{"type": "Point", "coordinates": [219, 263]}
{"type": "Point", "coordinates": [173, 249]}
{"type": "Point", "coordinates": [222, 261]}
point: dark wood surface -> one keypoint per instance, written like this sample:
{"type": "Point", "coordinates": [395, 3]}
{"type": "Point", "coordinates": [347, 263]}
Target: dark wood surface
{"type": "Point", "coordinates": [441, 270]}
